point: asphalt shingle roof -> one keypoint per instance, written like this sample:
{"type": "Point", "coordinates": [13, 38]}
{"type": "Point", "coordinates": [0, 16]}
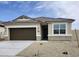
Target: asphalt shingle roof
{"type": "Point", "coordinates": [38, 19]}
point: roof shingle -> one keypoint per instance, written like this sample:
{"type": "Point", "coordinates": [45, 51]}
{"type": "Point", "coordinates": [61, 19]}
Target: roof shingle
{"type": "Point", "coordinates": [38, 19]}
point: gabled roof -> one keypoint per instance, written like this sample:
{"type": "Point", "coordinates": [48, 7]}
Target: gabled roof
{"type": "Point", "coordinates": [53, 19]}
{"type": "Point", "coordinates": [21, 17]}
{"type": "Point", "coordinates": [38, 19]}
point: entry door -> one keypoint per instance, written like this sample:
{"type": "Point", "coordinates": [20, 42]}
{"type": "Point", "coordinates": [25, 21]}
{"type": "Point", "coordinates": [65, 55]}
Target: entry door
{"type": "Point", "coordinates": [44, 32]}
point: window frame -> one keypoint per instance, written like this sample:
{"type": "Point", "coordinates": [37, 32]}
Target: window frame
{"type": "Point", "coordinates": [59, 28]}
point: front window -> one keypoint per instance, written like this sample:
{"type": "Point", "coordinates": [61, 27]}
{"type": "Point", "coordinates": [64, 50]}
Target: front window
{"type": "Point", "coordinates": [59, 28]}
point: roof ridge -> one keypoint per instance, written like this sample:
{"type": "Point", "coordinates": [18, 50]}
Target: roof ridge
{"type": "Point", "coordinates": [22, 17]}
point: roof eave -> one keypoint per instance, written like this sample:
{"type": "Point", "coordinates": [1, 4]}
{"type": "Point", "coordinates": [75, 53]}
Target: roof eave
{"type": "Point", "coordinates": [2, 25]}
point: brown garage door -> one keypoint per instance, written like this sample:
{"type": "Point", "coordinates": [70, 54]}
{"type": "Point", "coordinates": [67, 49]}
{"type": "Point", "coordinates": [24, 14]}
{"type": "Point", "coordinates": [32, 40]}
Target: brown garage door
{"type": "Point", "coordinates": [22, 33]}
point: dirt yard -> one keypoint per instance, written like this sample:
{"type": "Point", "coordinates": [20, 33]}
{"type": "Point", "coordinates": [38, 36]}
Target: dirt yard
{"type": "Point", "coordinates": [51, 49]}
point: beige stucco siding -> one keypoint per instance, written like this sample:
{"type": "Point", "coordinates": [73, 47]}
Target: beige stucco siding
{"type": "Point", "coordinates": [74, 35]}
{"type": "Point", "coordinates": [2, 29]}
{"type": "Point", "coordinates": [59, 38]}
{"type": "Point", "coordinates": [51, 36]}
{"type": "Point", "coordinates": [49, 29]}
{"type": "Point", "coordinates": [69, 30]}
{"type": "Point", "coordinates": [2, 32]}
{"type": "Point", "coordinates": [70, 35]}
{"type": "Point", "coordinates": [27, 25]}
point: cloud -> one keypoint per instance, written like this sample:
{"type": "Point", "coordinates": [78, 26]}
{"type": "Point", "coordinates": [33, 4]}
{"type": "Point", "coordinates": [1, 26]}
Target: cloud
{"type": "Point", "coordinates": [57, 9]}
{"type": "Point", "coordinates": [64, 9]}
{"type": "Point", "coordinates": [4, 2]}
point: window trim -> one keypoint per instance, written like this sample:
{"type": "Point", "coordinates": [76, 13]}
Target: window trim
{"type": "Point", "coordinates": [59, 33]}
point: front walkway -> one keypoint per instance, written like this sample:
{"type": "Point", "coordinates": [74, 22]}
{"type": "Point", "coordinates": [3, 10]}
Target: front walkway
{"type": "Point", "coordinates": [11, 48]}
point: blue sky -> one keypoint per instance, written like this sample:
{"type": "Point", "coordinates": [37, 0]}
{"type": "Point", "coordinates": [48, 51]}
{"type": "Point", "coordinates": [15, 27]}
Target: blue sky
{"type": "Point", "coordinates": [9, 10]}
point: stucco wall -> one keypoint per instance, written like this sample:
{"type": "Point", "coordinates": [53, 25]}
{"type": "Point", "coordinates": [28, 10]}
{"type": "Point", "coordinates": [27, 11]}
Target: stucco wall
{"type": "Point", "coordinates": [2, 32]}
{"type": "Point", "coordinates": [38, 31]}
{"type": "Point", "coordinates": [50, 31]}
{"type": "Point", "coordinates": [72, 38]}
{"type": "Point", "coordinates": [74, 35]}
{"type": "Point", "coordinates": [27, 25]}
{"type": "Point", "coordinates": [59, 38]}
{"type": "Point", "coordinates": [51, 35]}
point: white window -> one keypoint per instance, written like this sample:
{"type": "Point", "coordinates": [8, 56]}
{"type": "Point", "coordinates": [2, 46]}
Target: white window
{"type": "Point", "coordinates": [59, 29]}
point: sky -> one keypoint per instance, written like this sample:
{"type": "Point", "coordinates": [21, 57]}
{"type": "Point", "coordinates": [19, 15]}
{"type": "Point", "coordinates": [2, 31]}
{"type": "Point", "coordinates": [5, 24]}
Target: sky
{"type": "Point", "coordinates": [9, 10]}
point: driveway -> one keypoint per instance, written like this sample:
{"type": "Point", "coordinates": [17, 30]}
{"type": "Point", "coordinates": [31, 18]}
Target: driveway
{"type": "Point", "coordinates": [11, 48]}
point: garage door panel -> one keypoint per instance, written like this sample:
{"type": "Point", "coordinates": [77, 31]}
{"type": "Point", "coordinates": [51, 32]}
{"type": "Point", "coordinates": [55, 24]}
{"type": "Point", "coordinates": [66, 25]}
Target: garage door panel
{"type": "Point", "coordinates": [23, 34]}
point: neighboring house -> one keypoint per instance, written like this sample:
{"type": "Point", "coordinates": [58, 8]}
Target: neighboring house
{"type": "Point", "coordinates": [2, 31]}
{"type": "Point", "coordinates": [40, 28]}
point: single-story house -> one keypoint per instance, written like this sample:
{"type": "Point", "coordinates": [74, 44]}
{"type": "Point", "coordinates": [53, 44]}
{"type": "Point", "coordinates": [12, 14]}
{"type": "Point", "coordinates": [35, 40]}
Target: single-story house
{"type": "Point", "coordinates": [2, 30]}
{"type": "Point", "coordinates": [39, 28]}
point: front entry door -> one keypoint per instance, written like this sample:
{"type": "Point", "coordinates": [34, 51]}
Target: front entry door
{"type": "Point", "coordinates": [44, 32]}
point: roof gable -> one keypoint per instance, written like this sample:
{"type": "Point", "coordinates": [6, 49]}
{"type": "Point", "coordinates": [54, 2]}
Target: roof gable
{"type": "Point", "coordinates": [22, 18]}
{"type": "Point", "coordinates": [26, 19]}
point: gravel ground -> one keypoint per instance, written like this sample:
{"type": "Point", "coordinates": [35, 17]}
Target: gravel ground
{"type": "Point", "coordinates": [51, 49]}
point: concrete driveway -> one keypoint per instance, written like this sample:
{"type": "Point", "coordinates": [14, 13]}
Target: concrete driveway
{"type": "Point", "coordinates": [11, 48]}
